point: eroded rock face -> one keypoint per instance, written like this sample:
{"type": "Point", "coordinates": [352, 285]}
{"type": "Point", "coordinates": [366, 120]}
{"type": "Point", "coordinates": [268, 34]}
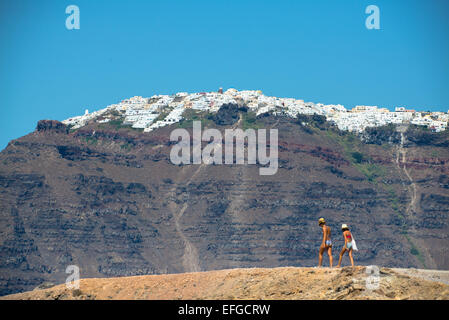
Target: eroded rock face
{"type": "Point", "coordinates": [112, 203]}
{"type": "Point", "coordinates": [227, 115]}
{"type": "Point", "coordinates": [51, 125]}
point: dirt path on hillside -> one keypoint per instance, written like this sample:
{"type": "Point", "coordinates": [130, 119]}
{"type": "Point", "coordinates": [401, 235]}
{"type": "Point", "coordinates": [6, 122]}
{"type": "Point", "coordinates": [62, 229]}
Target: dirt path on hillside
{"type": "Point", "coordinates": [241, 176]}
{"type": "Point", "coordinates": [190, 259]}
{"type": "Point", "coordinates": [411, 209]}
{"type": "Point", "coordinates": [413, 194]}
{"type": "Point", "coordinates": [401, 160]}
{"type": "Point", "coordinates": [287, 283]}
{"type": "Point", "coordinates": [238, 193]}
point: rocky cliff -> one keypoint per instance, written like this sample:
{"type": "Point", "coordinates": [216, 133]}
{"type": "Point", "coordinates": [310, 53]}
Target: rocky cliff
{"type": "Point", "coordinates": [107, 198]}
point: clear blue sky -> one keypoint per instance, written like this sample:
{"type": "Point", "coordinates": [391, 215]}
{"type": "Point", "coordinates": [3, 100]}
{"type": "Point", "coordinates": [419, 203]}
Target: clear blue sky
{"type": "Point", "coordinates": [314, 50]}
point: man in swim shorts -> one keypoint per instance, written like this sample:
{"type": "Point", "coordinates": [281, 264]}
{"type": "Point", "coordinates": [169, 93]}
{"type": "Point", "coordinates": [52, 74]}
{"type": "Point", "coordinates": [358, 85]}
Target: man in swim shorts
{"type": "Point", "coordinates": [326, 244]}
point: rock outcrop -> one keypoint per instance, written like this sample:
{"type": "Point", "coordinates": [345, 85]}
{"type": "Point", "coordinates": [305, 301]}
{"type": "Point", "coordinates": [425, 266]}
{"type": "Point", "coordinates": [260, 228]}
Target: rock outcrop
{"type": "Point", "coordinates": [51, 125]}
{"type": "Point", "coordinates": [255, 284]}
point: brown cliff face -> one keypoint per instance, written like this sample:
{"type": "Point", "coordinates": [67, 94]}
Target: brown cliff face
{"type": "Point", "coordinates": [51, 125]}
{"type": "Point", "coordinates": [109, 200]}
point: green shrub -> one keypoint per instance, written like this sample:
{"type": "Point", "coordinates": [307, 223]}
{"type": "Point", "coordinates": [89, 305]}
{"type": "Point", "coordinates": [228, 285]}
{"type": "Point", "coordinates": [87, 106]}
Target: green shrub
{"type": "Point", "coordinates": [357, 156]}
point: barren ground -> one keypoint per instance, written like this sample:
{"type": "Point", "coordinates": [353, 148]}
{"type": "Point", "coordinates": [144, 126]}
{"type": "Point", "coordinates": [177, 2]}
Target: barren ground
{"type": "Point", "coordinates": [258, 283]}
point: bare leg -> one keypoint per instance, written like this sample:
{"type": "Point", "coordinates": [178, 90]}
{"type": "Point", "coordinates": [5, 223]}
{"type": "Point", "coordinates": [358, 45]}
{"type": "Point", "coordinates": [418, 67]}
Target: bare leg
{"type": "Point", "coordinates": [350, 257]}
{"type": "Point", "coordinates": [320, 257]}
{"type": "Point", "coordinates": [329, 252]}
{"type": "Point", "coordinates": [341, 257]}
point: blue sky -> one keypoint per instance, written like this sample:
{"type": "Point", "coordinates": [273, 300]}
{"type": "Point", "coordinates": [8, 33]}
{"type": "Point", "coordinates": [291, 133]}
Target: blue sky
{"type": "Point", "coordinates": [314, 50]}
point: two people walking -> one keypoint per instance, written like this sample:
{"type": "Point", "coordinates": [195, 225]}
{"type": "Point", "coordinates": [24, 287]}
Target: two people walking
{"type": "Point", "coordinates": [326, 244]}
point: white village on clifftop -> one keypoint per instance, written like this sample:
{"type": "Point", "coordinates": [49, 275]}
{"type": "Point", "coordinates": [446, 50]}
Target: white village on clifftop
{"type": "Point", "coordinates": [161, 110]}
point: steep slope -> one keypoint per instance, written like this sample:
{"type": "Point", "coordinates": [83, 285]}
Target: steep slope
{"type": "Point", "coordinates": [107, 199]}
